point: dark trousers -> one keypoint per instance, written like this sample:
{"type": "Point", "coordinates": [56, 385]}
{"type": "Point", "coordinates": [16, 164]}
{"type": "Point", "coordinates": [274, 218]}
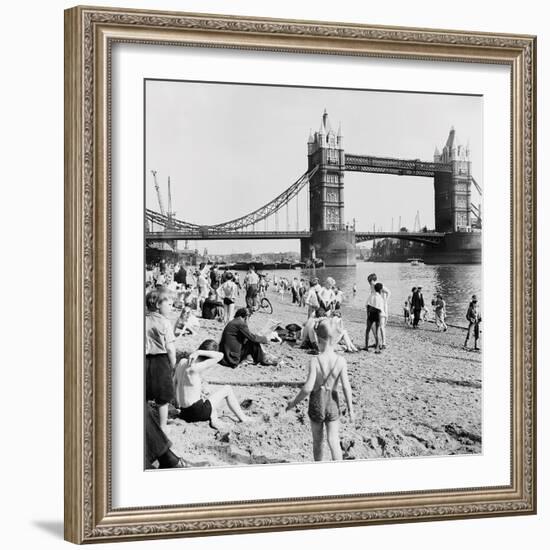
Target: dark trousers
{"type": "Point", "coordinates": [255, 350]}
{"type": "Point", "coordinates": [156, 442]}
{"type": "Point", "coordinates": [251, 295]}
{"type": "Point", "coordinates": [473, 326]}
{"type": "Point", "coordinates": [294, 296]}
{"type": "Point", "coordinates": [416, 318]}
{"type": "Point", "coordinates": [158, 379]}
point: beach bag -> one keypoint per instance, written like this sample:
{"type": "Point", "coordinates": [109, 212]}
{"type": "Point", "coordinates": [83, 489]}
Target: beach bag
{"type": "Point", "coordinates": [293, 332]}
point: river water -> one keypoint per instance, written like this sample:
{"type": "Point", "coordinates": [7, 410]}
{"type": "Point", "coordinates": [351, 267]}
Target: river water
{"type": "Point", "coordinates": [455, 282]}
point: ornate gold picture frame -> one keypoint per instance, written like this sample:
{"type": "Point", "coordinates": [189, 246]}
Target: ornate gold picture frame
{"type": "Point", "coordinates": [90, 34]}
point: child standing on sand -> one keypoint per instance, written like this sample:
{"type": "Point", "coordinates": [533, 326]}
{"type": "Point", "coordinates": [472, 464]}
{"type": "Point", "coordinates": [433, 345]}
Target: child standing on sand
{"type": "Point", "coordinates": [228, 293]}
{"type": "Point", "coordinates": [473, 316]}
{"type": "Point", "coordinates": [440, 312]}
{"type": "Point", "coordinates": [312, 300]}
{"type": "Point", "coordinates": [406, 313]}
{"type": "Point", "coordinates": [160, 352]}
{"type": "Point", "coordinates": [385, 293]}
{"type": "Point", "coordinates": [375, 316]}
{"type": "Point", "coordinates": [326, 370]}
{"type": "Point", "coordinates": [188, 384]}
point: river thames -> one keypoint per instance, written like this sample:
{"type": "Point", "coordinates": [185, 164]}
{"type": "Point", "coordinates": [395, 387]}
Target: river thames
{"type": "Point", "coordinates": [455, 282]}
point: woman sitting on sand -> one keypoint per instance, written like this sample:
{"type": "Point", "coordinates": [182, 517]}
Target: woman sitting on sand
{"type": "Point", "coordinates": [325, 371]}
{"type": "Point", "coordinates": [342, 335]}
{"type": "Point", "coordinates": [188, 383]}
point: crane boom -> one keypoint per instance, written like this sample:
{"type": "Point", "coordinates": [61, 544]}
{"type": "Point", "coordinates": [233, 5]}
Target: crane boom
{"type": "Point", "coordinates": [477, 186]}
{"type": "Point", "coordinates": [159, 196]}
{"type": "Point", "coordinates": [170, 213]}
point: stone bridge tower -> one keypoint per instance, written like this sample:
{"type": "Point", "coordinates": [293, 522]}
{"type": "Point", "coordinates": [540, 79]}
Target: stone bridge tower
{"type": "Point", "coordinates": [331, 240]}
{"type": "Point", "coordinates": [453, 191]}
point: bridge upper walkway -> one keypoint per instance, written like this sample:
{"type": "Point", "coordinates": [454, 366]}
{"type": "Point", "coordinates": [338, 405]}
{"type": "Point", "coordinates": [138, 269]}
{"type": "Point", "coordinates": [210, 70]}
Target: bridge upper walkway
{"type": "Point", "coordinates": [399, 167]}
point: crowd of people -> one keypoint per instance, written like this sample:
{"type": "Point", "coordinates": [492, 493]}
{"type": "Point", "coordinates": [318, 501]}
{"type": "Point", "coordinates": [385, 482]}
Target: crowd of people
{"type": "Point", "coordinates": [415, 312]}
{"type": "Point", "coordinates": [212, 293]}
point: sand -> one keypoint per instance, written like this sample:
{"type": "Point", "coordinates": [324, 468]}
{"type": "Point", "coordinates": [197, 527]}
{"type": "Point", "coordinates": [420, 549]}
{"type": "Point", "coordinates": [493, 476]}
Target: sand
{"type": "Point", "coordinates": [421, 396]}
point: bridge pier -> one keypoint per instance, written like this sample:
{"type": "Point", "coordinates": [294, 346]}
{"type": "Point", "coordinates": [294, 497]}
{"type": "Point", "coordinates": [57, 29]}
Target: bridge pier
{"type": "Point", "coordinates": [336, 248]}
{"type": "Point", "coordinates": [455, 248]}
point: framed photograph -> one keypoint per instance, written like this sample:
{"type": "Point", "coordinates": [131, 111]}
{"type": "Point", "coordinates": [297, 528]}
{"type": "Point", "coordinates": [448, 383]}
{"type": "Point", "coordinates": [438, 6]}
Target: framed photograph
{"type": "Point", "coordinates": [250, 348]}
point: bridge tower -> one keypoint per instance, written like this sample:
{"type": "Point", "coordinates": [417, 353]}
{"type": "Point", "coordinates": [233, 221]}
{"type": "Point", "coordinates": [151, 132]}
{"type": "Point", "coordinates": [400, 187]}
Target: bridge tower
{"type": "Point", "coordinates": [453, 190]}
{"type": "Point", "coordinates": [330, 239]}
{"type": "Point", "coordinates": [453, 203]}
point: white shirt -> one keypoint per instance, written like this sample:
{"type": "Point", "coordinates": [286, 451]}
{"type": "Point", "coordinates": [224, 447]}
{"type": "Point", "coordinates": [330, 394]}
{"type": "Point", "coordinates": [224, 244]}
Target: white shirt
{"type": "Point", "coordinates": [384, 293]}
{"type": "Point", "coordinates": [376, 301]}
{"type": "Point", "coordinates": [251, 278]}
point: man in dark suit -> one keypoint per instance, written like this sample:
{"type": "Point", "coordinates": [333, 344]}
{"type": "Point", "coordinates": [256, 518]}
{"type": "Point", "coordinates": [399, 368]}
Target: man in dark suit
{"type": "Point", "coordinates": [417, 304]}
{"type": "Point", "coordinates": [238, 342]}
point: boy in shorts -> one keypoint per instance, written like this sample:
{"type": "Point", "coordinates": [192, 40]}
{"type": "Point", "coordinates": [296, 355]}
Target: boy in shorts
{"type": "Point", "coordinates": [160, 353]}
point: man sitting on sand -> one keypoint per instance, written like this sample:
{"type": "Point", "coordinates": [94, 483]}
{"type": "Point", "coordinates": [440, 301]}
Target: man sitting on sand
{"type": "Point", "coordinates": [238, 342]}
{"type": "Point", "coordinates": [187, 382]}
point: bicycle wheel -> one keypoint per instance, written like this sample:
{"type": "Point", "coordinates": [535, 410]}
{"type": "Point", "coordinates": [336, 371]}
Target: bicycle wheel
{"type": "Point", "coordinates": [265, 306]}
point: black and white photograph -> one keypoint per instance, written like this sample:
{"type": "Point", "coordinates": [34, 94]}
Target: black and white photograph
{"type": "Point", "coordinates": [313, 269]}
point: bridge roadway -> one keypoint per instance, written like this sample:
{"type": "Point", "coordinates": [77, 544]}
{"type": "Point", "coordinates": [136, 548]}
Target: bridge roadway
{"type": "Point", "coordinates": [430, 237]}
{"type": "Point", "coordinates": [210, 235]}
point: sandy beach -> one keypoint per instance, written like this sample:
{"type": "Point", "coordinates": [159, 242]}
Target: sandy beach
{"type": "Point", "coordinates": [421, 396]}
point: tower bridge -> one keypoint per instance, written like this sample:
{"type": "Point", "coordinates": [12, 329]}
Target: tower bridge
{"type": "Point", "coordinates": [456, 238]}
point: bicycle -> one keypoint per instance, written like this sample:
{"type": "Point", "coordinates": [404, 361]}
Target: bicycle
{"type": "Point", "coordinates": [263, 306]}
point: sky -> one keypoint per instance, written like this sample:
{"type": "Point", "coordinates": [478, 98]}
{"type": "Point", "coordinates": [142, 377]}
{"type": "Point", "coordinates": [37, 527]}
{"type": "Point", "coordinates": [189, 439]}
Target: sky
{"type": "Point", "coordinates": [230, 148]}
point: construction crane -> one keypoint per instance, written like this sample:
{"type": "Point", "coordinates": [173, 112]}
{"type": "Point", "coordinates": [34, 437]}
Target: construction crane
{"type": "Point", "coordinates": [170, 214]}
{"type": "Point", "coordinates": [416, 228]}
{"type": "Point", "coordinates": [159, 196]}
